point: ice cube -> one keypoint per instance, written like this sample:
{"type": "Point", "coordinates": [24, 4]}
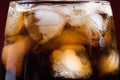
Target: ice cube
{"type": "Point", "coordinates": [49, 23]}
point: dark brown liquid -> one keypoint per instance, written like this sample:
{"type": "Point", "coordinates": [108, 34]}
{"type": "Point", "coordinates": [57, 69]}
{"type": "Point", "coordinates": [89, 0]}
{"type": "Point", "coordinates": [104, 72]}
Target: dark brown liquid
{"type": "Point", "coordinates": [88, 48]}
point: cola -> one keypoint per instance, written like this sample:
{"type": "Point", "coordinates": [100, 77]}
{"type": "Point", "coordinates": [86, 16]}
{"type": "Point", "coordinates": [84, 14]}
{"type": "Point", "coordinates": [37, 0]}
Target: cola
{"type": "Point", "coordinates": [60, 40]}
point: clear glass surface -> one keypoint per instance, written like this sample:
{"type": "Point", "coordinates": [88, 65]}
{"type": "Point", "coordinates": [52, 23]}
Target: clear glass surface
{"type": "Point", "coordinates": [60, 40]}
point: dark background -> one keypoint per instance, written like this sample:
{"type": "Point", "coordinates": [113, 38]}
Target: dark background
{"type": "Point", "coordinates": [115, 4]}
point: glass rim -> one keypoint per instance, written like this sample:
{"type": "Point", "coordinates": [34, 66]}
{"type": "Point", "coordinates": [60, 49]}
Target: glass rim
{"type": "Point", "coordinates": [61, 2]}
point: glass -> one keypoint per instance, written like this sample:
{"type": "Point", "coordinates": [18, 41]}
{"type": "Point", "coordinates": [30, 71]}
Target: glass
{"type": "Point", "coordinates": [60, 40]}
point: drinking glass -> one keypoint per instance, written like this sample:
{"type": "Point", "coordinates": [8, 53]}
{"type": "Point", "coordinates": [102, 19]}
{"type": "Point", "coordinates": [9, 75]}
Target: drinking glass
{"type": "Point", "coordinates": [60, 40]}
